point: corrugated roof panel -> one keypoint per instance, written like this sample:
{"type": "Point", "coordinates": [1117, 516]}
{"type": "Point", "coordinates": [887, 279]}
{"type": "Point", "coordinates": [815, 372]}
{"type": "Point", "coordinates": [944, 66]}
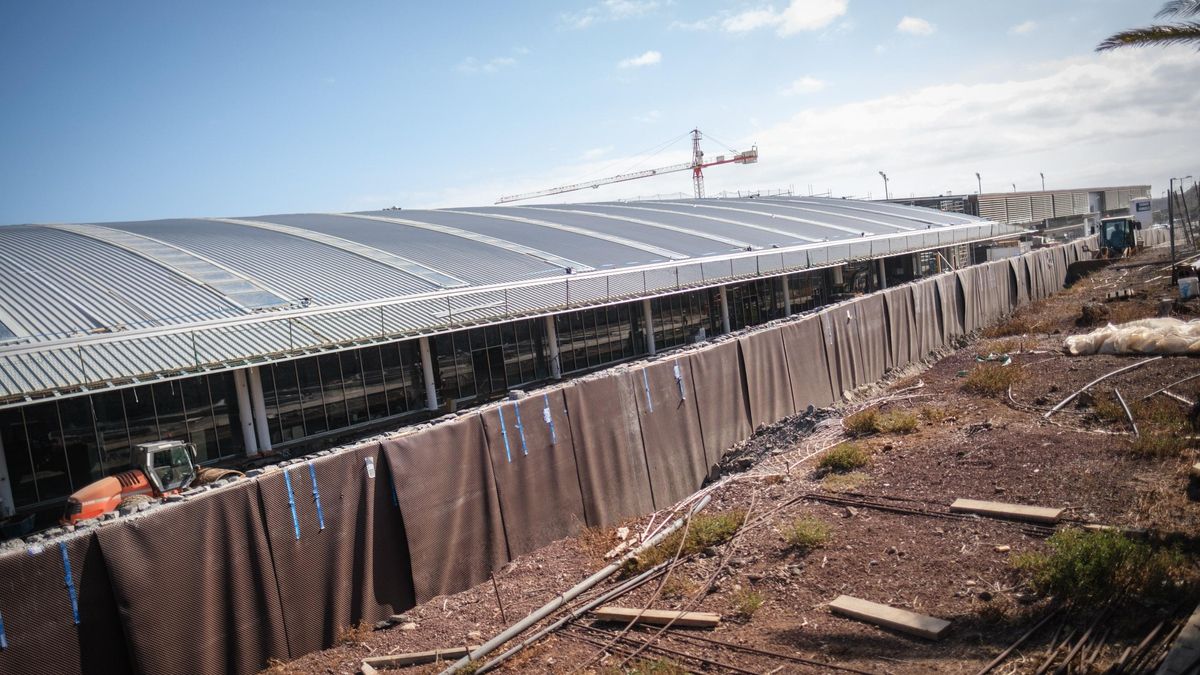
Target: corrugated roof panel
{"type": "Point", "coordinates": [797, 225]}
{"type": "Point", "coordinates": [714, 225]}
{"type": "Point", "coordinates": [856, 220]}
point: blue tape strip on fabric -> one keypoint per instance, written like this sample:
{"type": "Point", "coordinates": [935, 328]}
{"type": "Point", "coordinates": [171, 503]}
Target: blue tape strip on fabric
{"type": "Point", "coordinates": [550, 420]}
{"type": "Point", "coordinates": [3, 637]}
{"type": "Point", "coordinates": [646, 384]}
{"type": "Point", "coordinates": [521, 429]}
{"type": "Point", "coordinates": [392, 485]}
{"type": "Point", "coordinates": [287, 479]}
{"type": "Point", "coordinates": [504, 434]}
{"type": "Point", "coordinates": [70, 582]}
{"type": "Point", "coordinates": [312, 472]}
{"type": "Point", "coordinates": [679, 381]}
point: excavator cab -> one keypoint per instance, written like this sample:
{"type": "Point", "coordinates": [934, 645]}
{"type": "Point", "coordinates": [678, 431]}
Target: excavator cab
{"type": "Point", "coordinates": [169, 465]}
{"type": "Point", "coordinates": [1118, 236]}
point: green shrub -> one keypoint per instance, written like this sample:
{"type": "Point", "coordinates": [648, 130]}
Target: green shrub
{"type": "Point", "coordinates": [746, 602]}
{"type": "Point", "coordinates": [806, 534]}
{"type": "Point", "coordinates": [705, 530]}
{"type": "Point", "coordinates": [1108, 409]}
{"type": "Point", "coordinates": [898, 422]}
{"type": "Point", "coordinates": [863, 422]}
{"type": "Point", "coordinates": [933, 414]}
{"type": "Point", "coordinates": [844, 457]}
{"type": "Point", "coordinates": [991, 379]}
{"type": "Point", "coordinates": [1158, 445]}
{"type": "Point", "coordinates": [1161, 415]}
{"type": "Point", "coordinates": [871, 421]}
{"type": "Point", "coordinates": [1090, 567]}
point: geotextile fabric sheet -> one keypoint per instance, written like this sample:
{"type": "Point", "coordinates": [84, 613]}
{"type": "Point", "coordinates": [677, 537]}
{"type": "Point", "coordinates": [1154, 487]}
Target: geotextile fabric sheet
{"type": "Point", "coordinates": [767, 382]}
{"type": "Point", "coordinates": [951, 303]}
{"type": "Point", "coordinates": [670, 424]}
{"type": "Point", "coordinates": [1020, 272]}
{"type": "Point", "coordinates": [195, 586]}
{"type": "Point", "coordinates": [613, 477]}
{"type": "Point", "coordinates": [928, 319]}
{"type": "Point", "coordinates": [841, 340]}
{"type": "Point", "coordinates": [903, 331]}
{"type": "Point", "coordinates": [720, 394]}
{"type": "Point", "coordinates": [38, 609]}
{"type": "Point", "coordinates": [808, 365]}
{"type": "Point", "coordinates": [533, 458]}
{"type": "Point", "coordinates": [338, 545]}
{"type": "Point", "coordinates": [447, 494]}
{"type": "Point", "coordinates": [973, 300]}
{"type": "Point", "coordinates": [872, 328]}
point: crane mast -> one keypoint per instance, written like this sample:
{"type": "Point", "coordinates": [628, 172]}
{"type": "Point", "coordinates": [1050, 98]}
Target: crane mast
{"type": "Point", "coordinates": [697, 166]}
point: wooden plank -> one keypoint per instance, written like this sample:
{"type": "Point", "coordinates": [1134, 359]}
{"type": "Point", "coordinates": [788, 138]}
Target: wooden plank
{"type": "Point", "coordinates": [890, 617]}
{"type": "Point", "coordinates": [416, 658]}
{"type": "Point", "coordinates": [1037, 514]}
{"type": "Point", "coordinates": [659, 617]}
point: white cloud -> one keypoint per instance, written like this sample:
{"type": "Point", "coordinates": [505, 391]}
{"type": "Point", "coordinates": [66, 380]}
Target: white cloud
{"type": "Point", "coordinates": [700, 24]}
{"type": "Point", "coordinates": [649, 58]}
{"type": "Point", "coordinates": [798, 16]}
{"type": "Point", "coordinates": [915, 26]}
{"type": "Point", "coordinates": [1023, 28]}
{"type": "Point", "coordinates": [804, 85]}
{"type": "Point", "coordinates": [596, 153]}
{"type": "Point", "coordinates": [472, 65]}
{"type": "Point", "coordinates": [649, 117]}
{"type": "Point", "coordinates": [608, 10]}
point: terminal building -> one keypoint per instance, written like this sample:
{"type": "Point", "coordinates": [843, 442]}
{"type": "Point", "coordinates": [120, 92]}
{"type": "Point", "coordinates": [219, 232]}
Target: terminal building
{"type": "Point", "coordinates": [290, 332]}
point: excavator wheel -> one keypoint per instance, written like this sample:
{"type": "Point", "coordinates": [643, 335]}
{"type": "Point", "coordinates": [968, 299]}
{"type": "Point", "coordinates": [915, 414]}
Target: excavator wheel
{"type": "Point", "coordinates": [133, 501]}
{"type": "Point", "coordinates": [208, 474]}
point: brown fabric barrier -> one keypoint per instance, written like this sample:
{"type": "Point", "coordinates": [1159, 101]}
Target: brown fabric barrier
{"type": "Point", "coordinates": [972, 301]}
{"type": "Point", "coordinates": [767, 383]}
{"type": "Point", "coordinates": [357, 567]}
{"type": "Point", "coordinates": [808, 364]}
{"type": "Point", "coordinates": [871, 325]}
{"type": "Point", "coordinates": [1020, 274]}
{"type": "Point", "coordinates": [195, 586]}
{"type": "Point", "coordinates": [447, 494]}
{"type": "Point", "coordinates": [536, 476]}
{"type": "Point", "coordinates": [840, 343]}
{"type": "Point", "coordinates": [670, 424]}
{"type": "Point", "coordinates": [928, 319]}
{"type": "Point", "coordinates": [903, 333]}
{"type": "Point", "coordinates": [613, 477]}
{"type": "Point", "coordinates": [39, 623]}
{"type": "Point", "coordinates": [720, 398]}
{"type": "Point", "coordinates": [952, 307]}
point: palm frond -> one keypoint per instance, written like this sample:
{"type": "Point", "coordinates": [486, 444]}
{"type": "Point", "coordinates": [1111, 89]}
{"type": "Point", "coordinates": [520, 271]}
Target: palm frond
{"type": "Point", "coordinates": [1179, 8]}
{"type": "Point", "coordinates": [1162, 35]}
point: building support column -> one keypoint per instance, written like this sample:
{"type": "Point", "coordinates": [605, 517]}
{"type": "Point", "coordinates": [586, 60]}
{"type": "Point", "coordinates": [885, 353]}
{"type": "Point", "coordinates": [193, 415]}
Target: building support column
{"type": "Point", "coordinates": [648, 319]}
{"type": "Point", "coordinates": [431, 399]}
{"type": "Point", "coordinates": [245, 414]}
{"type": "Point", "coordinates": [258, 403]}
{"type": "Point", "coordinates": [882, 274]}
{"type": "Point", "coordinates": [724, 309]}
{"type": "Point", "coordinates": [787, 297]}
{"type": "Point", "coordinates": [7, 506]}
{"type": "Point", "coordinates": [553, 355]}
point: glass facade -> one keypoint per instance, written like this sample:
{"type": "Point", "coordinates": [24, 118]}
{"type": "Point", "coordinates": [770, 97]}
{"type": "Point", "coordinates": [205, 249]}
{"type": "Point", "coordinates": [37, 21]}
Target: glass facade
{"type": "Point", "coordinates": [592, 338]}
{"type": "Point", "coordinates": [484, 363]}
{"type": "Point", "coordinates": [685, 318]}
{"type": "Point", "coordinates": [55, 448]}
{"type": "Point", "coordinates": [754, 302]}
{"type": "Point", "coordinates": [807, 291]}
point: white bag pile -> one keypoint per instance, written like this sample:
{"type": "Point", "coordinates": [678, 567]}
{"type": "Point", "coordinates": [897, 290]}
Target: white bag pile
{"type": "Point", "coordinates": [1146, 336]}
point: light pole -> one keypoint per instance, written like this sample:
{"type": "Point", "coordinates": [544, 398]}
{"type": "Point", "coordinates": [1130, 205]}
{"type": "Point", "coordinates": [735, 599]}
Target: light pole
{"type": "Point", "coordinates": [1043, 180]}
{"type": "Point", "coordinates": [1014, 187]}
{"type": "Point", "coordinates": [886, 196]}
{"type": "Point", "coordinates": [980, 182]}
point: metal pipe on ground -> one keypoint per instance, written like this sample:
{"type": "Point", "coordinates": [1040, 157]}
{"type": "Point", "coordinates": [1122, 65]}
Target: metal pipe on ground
{"type": "Point", "coordinates": [552, 606]}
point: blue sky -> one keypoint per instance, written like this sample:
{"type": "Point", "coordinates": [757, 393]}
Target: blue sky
{"type": "Point", "coordinates": [137, 110]}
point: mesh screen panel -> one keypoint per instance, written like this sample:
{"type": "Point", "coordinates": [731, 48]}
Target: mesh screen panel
{"type": "Point", "coordinates": [195, 586]}
{"type": "Point", "coordinates": [670, 424]}
{"type": "Point", "coordinates": [720, 394]}
{"type": "Point", "coordinates": [354, 569]}
{"type": "Point", "coordinates": [39, 622]}
{"type": "Point", "coordinates": [768, 386]}
{"type": "Point", "coordinates": [536, 475]}
{"type": "Point", "coordinates": [613, 477]}
{"type": "Point", "coordinates": [447, 494]}
{"type": "Point", "coordinates": [808, 365]}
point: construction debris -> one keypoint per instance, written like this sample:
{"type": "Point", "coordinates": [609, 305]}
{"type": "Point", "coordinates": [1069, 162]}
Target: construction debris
{"type": "Point", "coordinates": [1146, 336]}
{"type": "Point", "coordinates": [659, 617]}
{"type": "Point", "coordinates": [890, 617]}
{"type": "Point", "coordinates": [414, 658]}
{"type": "Point", "coordinates": [1037, 514]}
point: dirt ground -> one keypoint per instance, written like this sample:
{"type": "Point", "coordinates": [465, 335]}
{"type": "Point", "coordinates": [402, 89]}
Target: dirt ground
{"type": "Point", "coordinates": [891, 538]}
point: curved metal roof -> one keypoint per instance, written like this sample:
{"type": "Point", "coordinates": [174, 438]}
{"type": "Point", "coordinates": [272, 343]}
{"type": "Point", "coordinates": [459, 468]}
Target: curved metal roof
{"type": "Point", "coordinates": [420, 270]}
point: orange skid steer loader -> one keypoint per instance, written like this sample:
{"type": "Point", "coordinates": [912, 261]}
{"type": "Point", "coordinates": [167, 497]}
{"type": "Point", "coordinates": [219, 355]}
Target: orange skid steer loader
{"type": "Point", "coordinates": [159, 469]}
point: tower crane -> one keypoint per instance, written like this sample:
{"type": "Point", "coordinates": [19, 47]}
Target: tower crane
{"type": "Point", "coordinates": [697, 166]}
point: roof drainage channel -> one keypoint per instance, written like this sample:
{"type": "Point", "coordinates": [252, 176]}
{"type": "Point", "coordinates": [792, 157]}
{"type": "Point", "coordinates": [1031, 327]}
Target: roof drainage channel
{"type": "Point", "coordinates": [768, 214]}
{"type": "Point", "coordinates": [648, 223]}
{"type": "Point", "coordinates": [511, 246]}
{"type": "Point", "coordinates": [727, 221]}
{"type": "Point", "coordinates": [429, 275]}
{"type": "Point", "coordinates": [238, 289]}
{"type": "Point", "coordinates": [611, 238]}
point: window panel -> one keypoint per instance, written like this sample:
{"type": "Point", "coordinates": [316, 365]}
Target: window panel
{"type": "Point", "coordinates": [168, 405]}
{"type": "Point", "coordinates": [374, 384]}
{"type": "Point", "coordinates": [201, 425]}
{"type": "Point", "coordinates": [331, 386]}
{"type": "Point", "coordinates": [414, 375]}
{"type": "Point", "coordinates": [288, 401]}
{"type": "Point", "coordinates": [139, 412]}
{"type": "Point", "coordinates": [225, 415]}
{"type": "Point", "coordinates": [308, 378]}
{"type": "Point", "coordinates": [80, 440]}
{"type": "Point", "coordinates": [46, 449]}
{"type": "Point", "coordinates": [16, 452]}
{"type": "Point", "coordinates": [114, 433]}
{"type": "Point", "coordinates": [352, 382]}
